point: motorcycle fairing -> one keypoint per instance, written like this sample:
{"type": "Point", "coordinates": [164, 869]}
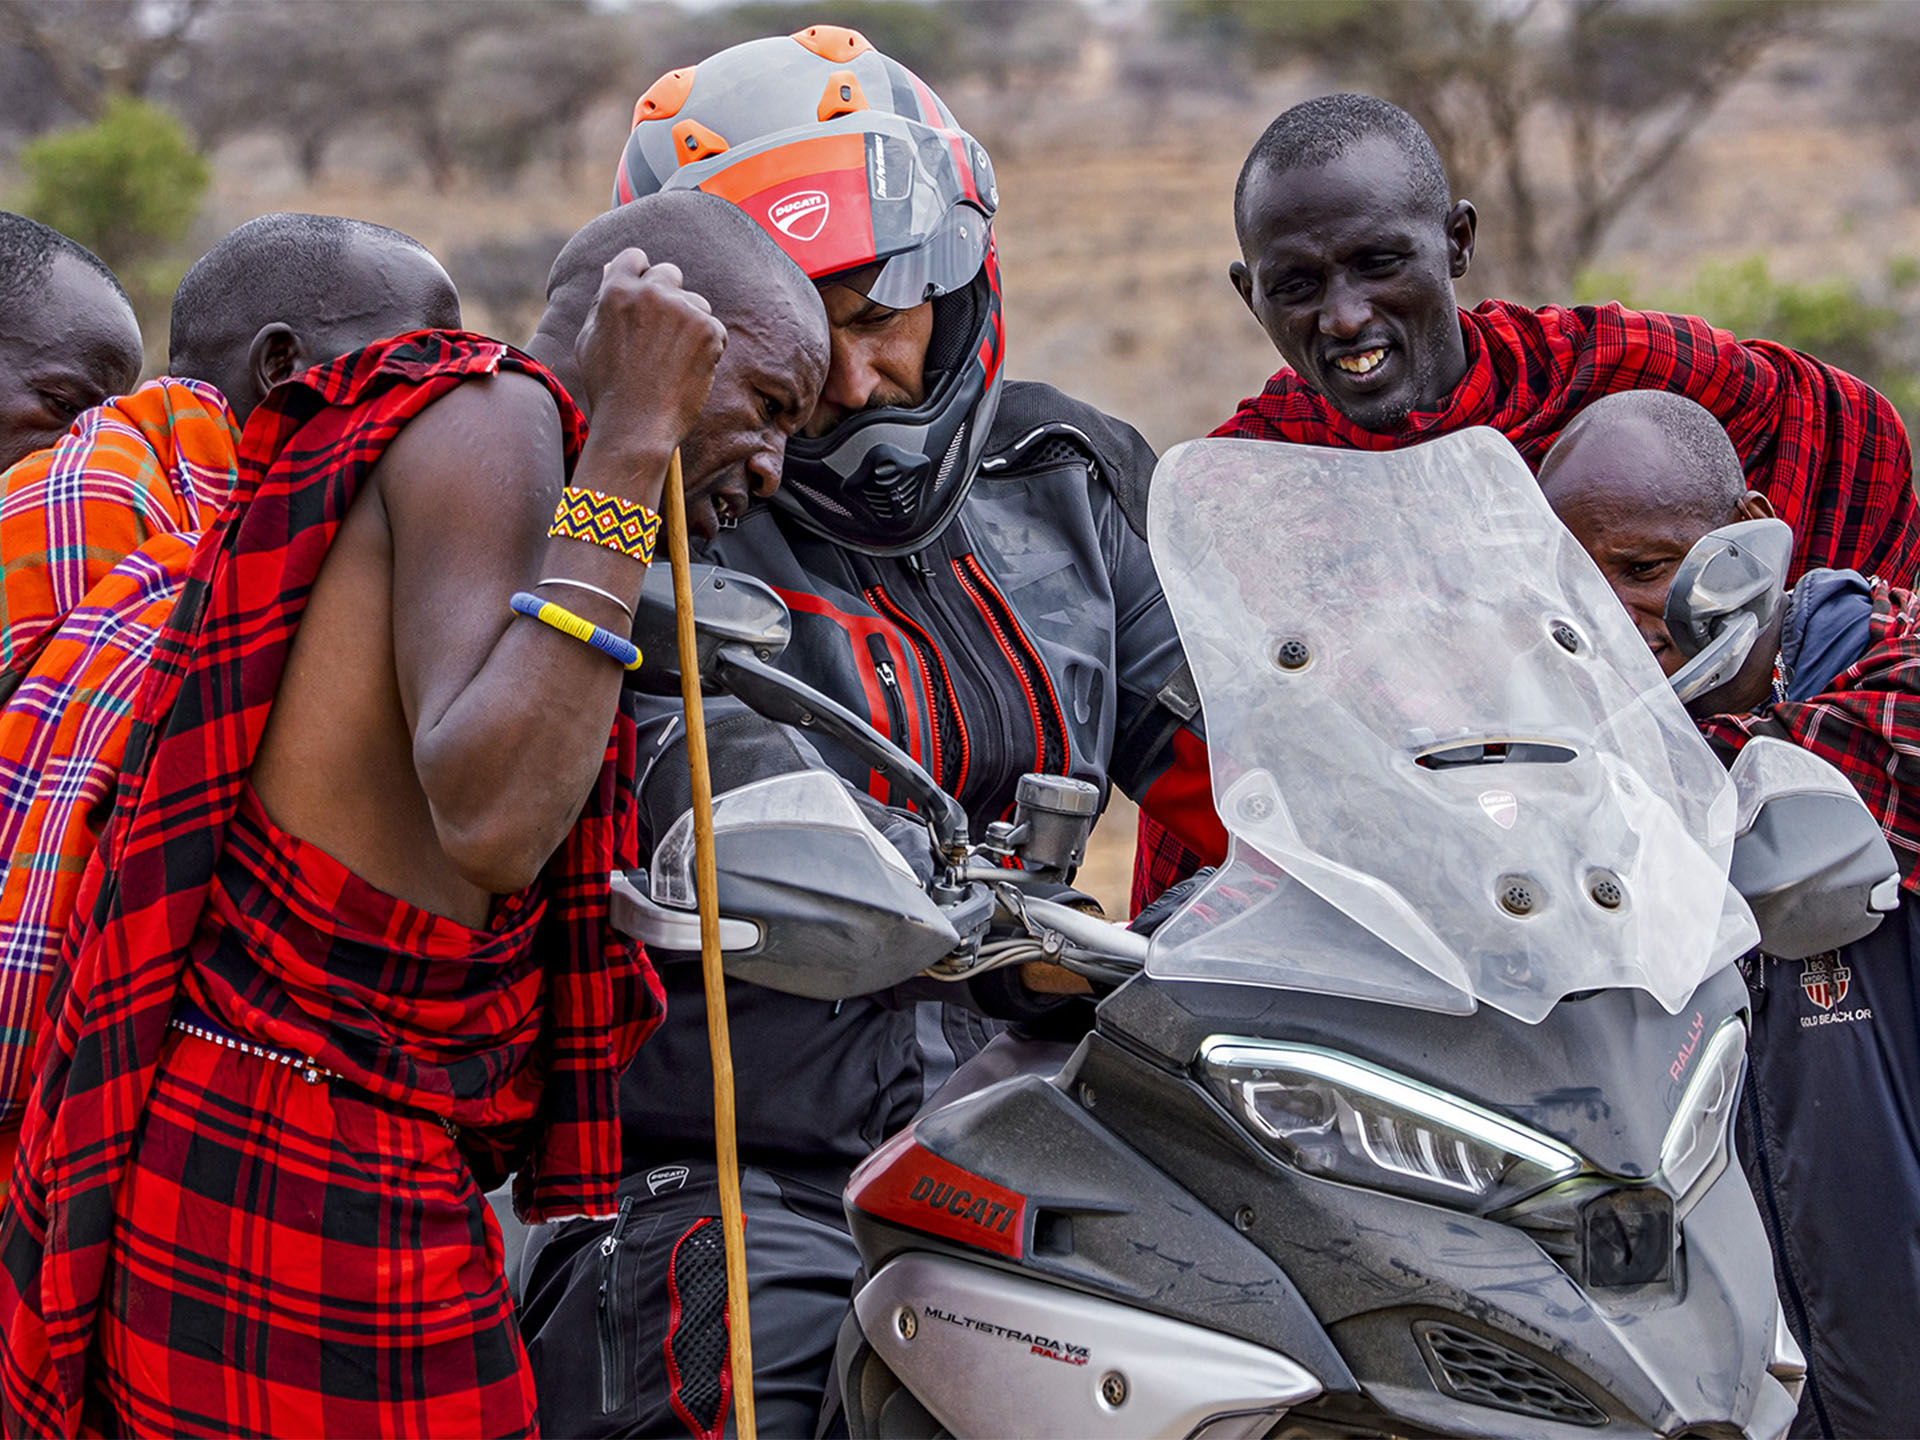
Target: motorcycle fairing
{"type": "Point", "coordinates": [906, 1184]}
{"type": "Point", "coordinates": [1512, 805]}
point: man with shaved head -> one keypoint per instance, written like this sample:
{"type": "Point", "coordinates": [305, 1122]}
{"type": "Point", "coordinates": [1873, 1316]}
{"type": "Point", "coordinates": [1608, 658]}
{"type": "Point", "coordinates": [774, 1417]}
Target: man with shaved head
{"type": "Point", "coordinates": [775, 361]}
{"type": "Point", "coordinates": [1350, 243]}
{"type": "Point", "coordinates": [96, 533]}
{"type": "Point", "coordinates": [69, 339]}
{"type": "Point", "coordinates": [344, 958]}
{"type": "Point", "coordinates": [1830, 1117]}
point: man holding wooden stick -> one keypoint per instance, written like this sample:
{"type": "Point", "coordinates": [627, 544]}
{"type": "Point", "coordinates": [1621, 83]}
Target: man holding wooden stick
{"type": "Point", "coordinates": [344, 953]}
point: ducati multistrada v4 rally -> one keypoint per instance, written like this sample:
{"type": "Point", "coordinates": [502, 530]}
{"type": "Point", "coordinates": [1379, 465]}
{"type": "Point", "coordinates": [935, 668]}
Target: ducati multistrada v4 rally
{"type": "Point", "coordinates": [1414, 1118]}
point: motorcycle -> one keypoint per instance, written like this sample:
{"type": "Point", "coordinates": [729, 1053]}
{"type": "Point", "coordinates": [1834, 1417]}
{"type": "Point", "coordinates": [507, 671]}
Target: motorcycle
{"type": "Point", "coordinates": [1415, 1117]}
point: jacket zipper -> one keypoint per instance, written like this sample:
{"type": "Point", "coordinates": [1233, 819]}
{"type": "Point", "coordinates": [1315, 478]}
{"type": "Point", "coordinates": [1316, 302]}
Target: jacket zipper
{"type": "Point", "coordinates": [1049, 721]}
{"type": "Point", "coordinates": [943, 705]}
{"type": "Point", "coordinates": [613, 1350]}
{"type": "Point", "coordinates": [882, 659]}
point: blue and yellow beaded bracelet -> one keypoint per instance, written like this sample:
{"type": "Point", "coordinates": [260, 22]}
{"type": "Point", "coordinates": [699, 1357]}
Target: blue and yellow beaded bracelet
{"type": "Point", "coordinates": [616, 647]}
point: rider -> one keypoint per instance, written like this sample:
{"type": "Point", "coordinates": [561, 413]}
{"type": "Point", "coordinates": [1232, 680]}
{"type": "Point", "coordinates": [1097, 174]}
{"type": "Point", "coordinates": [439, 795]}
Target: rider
{"type": "Point", "coordinates": [963, 559]}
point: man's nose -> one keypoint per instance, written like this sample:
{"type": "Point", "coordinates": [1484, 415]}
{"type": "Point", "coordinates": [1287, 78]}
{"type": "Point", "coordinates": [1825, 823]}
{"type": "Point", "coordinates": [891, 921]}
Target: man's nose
{"type": "Point", "coordinates": [763, 470]}
{"type": "Point", "coordinates": [852, 377]}
{"type": "Point", "coordinates": [1346, 310]}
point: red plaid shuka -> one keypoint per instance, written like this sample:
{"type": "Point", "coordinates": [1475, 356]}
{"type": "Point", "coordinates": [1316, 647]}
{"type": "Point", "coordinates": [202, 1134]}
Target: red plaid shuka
{"type": "Point", "coordinates": [525, 1045]}
{"type": "Point", "coordinates": [1867, 723]}
{"type": "Point", "coordinates": [1826, 449]}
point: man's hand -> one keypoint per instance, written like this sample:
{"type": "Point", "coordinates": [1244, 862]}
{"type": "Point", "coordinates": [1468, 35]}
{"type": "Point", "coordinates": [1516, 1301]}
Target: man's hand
{"type": "Point", "coordinates": [647, 354]}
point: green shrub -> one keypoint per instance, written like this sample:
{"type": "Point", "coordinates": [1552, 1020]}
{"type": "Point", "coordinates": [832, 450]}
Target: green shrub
{"type": "Point", "coordinates": [127, 187]}
{"type": "Point", "coordinates": [1832, 319]}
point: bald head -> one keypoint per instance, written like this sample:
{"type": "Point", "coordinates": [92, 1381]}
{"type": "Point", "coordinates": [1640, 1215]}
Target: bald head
{"type": "Point", "coordinates": [775, 361]}
{"type": "Point", "coordinates": [287, 291]}
{"type": "Point", "coordinates": [1638, 478]}
{"type": "Point", "coordinates": [68, 337]}
{"type": "Point", "coordinates": [721, 254]}
{"type": "Point", "coordinates": [1665, 449]}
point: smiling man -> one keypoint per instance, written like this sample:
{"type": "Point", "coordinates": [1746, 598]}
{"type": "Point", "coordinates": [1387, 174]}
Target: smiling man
{"type": "Point", "coordinates": [69, 339]}
{"type": "Point", "coordinates": [1350, 244]}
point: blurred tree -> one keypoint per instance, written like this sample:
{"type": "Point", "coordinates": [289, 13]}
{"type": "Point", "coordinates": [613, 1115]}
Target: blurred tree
{"type": "Point", "coordinates": [1510, 90]}
{"type": "Point", "coordinates": [523, 89]}
{"type": "Point", "coordinates": [90, 52]}
{"type": "Point", "coordinates": [507, 276]}
{"type": "Point", "coordinates": [1833, 319]}
{"type": "Point", "coordinates": [477, 81]}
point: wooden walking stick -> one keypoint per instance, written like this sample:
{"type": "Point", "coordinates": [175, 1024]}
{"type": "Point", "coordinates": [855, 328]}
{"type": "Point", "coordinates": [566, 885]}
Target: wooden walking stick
{"type": "Point", "coordinates": [706, 884]}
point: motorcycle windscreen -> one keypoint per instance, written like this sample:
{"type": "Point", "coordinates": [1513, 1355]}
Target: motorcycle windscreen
{"type": "Point", "coordinates": [1451, 768]}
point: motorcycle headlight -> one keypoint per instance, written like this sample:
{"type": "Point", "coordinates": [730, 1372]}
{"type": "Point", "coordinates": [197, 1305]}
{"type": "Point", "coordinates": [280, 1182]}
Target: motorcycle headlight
{"type": "Point", "coordinates": [1332, 1115]}
{"type": "Point", "coordinates": [1695, 1150]}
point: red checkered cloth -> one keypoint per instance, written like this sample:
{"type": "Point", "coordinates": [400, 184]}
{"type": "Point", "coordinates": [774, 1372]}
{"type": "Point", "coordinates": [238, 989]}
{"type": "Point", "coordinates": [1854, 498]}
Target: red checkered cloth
{"type": "Point", "coordinates": [257, 1281]}
{"type": "Point", "coordinates": [96, 534]}
{"type": "Point", "coordinates": [1866, 722]}
{"type": "Point", "coordinates": [1826, 449]}
{"type": "Point", "coordinates": [540, 1053]}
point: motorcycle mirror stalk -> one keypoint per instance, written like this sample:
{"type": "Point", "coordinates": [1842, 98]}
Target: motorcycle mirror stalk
{"type": "Point", "coordinates": [741, 626]}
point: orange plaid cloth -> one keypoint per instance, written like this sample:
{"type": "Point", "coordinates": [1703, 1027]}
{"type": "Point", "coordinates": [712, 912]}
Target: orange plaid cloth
{"type": "Point", "coordinates": [96, 533]}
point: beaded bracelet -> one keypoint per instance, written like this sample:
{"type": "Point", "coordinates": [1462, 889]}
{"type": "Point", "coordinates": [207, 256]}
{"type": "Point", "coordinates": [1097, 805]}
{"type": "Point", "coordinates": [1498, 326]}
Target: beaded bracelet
{"type": "Point", "coordinates": [617, 647]}
{"type": "Point", "coordinates": [597, 518]}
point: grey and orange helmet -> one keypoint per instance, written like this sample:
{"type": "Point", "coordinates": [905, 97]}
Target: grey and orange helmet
{"type": "Point", "coordinates": [860, 173]}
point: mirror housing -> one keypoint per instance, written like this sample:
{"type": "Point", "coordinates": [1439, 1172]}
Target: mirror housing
{"type": "Point", "coordinates": [1724, 595]}
{"type": "Point", "coordinates": [1808, 856]}
{"type": "Point", "coordinates": [729, 608]}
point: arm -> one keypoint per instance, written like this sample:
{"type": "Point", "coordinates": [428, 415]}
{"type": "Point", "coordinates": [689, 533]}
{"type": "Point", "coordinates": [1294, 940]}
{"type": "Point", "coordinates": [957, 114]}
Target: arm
{"type": "Point", "coordinates": [509, 717]}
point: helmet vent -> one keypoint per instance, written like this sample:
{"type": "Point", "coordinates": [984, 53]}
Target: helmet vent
{"type": "Point", "coordinates": [817, 496]}
{"type": "Point", "coordinates": [953, 454]}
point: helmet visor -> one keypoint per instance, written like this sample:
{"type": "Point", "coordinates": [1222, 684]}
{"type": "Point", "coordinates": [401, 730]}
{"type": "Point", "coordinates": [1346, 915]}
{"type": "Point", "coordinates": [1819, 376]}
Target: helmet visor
{"type": "Point", "coordinates": [944, 262]}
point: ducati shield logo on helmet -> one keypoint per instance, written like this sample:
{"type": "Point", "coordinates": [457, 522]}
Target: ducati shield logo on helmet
{"type": "Point", "coordinates": [803, 214]}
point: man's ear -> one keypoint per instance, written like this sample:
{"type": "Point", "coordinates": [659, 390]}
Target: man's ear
{"type": "Point", "coordinates": [275, 354]}
{"type": "Point", "coordinates": [1462, 224]}
{"type": "Point", "coordinates": [1242, 279]}
{"type": "Point", "coordinates": [1754, 506]}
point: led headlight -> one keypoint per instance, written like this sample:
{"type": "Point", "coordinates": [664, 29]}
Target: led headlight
{"type": "Point", "coordinates": [1330, 1114]}
{"type": "Point", "coordinates": [1695, 1150]}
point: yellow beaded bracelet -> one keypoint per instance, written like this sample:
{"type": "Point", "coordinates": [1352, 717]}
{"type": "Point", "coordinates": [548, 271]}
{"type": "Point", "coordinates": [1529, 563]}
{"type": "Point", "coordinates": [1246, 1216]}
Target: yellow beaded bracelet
{"type": "Point", "coordinates": [597, 518]}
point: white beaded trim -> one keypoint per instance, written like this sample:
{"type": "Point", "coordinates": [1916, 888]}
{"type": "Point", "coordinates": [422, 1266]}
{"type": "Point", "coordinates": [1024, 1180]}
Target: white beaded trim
{"type": "Point", "coordinates": [309, 1072]}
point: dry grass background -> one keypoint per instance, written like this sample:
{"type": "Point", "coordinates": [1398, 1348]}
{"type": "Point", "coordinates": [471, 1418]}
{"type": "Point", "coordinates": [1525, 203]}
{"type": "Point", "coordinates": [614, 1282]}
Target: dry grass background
{"type": "Point", "coordinates": [1115, 234]}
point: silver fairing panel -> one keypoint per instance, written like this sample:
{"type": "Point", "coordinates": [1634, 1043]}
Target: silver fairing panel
{"type": "Point", "coordinates": [990, 1353]}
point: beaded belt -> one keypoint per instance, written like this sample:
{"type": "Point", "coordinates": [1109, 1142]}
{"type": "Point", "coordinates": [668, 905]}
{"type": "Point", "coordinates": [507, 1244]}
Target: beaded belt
{"type": "Point", "coordinates": [194, 1021]}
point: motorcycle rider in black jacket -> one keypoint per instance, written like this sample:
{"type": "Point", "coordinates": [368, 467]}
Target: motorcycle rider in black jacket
{"type": "Point", "coordinates": [964, 562]}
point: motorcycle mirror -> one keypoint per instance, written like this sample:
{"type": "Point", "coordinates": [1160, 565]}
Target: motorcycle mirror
{"type": "Point", "coordinates": [729, 608]}
{"type": "Point", "coordinates": [1724, 595]}
{"type": "Point", "coordinates": [1808, 857]}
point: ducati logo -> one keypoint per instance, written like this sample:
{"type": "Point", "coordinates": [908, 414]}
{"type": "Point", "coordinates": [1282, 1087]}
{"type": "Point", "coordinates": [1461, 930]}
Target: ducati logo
{"type": "Point", "coordinates": [1825, 985]}
{"type": "Point", "coordinates": [1500, 807]}
{"type": "Point", "coordinates": [802, 215]}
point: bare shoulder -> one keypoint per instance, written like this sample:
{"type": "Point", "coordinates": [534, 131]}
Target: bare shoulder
{"type": "Point", "coordinates": [499, 432]}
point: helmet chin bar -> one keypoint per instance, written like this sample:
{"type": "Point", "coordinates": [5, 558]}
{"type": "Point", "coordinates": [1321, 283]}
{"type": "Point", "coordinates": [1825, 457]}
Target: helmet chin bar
{"type": "Point", "coordinates": [887, 481]}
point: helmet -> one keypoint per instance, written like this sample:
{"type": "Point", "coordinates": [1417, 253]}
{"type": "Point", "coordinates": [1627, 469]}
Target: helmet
{"type": "Point", "coordinates": [860, 173]}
